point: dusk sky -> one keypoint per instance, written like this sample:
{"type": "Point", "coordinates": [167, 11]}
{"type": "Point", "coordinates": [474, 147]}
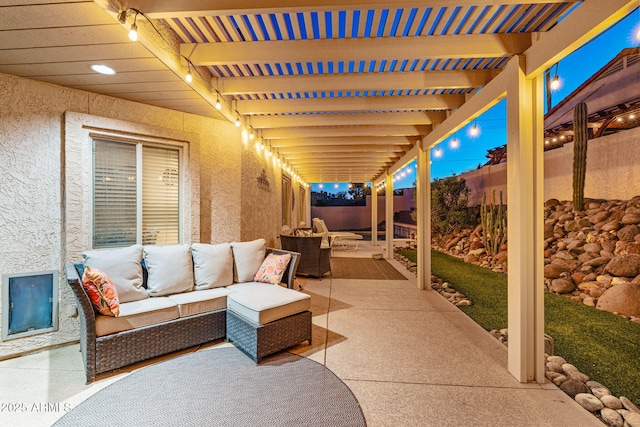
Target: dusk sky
{"type": "Point", "coordinates": [471, 152]}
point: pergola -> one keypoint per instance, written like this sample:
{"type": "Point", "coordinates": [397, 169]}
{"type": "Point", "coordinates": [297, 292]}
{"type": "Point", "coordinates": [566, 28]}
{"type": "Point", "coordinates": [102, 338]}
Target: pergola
{"type": "Point", "coordinates": [340, 91]}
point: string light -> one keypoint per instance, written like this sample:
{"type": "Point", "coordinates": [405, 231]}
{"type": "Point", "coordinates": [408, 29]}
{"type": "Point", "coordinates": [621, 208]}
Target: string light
{"type": "Point", "coordinates": [437, 152]}
{"type": "Point", "coordinates": [555, 81]}
{"type": "Point", "coordinates": [454, 143]}
{"type": "Point", "coordinates": [189, 77]}
{"type": "Point", "coordinates": [218, 104]}
{"type": "Point", "coordinates": [133, 32]}
{"type": "Point", "coordinates": [475, 130]}
{"type": "Point", "coordinates": [237, 120]}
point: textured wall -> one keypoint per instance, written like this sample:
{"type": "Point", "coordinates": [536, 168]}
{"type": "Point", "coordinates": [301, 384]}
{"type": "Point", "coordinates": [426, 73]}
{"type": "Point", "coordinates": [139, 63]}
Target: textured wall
{"type": "Point", "coordinates": [44, 200]}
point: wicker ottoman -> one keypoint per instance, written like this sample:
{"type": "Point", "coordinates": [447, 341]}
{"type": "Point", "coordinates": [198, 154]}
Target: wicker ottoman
{"type": "Point", "coordinates": [267, 319]}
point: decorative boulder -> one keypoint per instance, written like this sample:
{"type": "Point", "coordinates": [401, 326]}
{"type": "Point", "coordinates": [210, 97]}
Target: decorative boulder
{"type": "Point", "coordinates": [622, 299]}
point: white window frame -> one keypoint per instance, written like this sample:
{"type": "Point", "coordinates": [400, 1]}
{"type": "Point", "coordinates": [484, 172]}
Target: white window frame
{"type": "Point", "coordinates": [139, 144]}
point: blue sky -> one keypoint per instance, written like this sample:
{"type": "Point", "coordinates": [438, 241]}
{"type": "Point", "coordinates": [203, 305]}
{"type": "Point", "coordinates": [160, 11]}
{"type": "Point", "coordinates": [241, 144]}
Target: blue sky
{"type": "Point", "coordinates": [471, 151]}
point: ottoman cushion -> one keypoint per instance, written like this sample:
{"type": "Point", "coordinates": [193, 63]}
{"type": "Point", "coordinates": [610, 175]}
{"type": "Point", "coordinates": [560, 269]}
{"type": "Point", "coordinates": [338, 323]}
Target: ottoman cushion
{"type": "Point", "coordinates": [267, 303]}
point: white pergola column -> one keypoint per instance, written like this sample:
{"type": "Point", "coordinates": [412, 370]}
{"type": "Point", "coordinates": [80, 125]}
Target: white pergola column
{"type": "Point", "coordinates": [423, 213]}
{"type": "Point", "coordinates": [374, 215]}
{"type": "Point", "coordinates": [388, 202]}
{"type": "Point", "coordinates": [525, 198]}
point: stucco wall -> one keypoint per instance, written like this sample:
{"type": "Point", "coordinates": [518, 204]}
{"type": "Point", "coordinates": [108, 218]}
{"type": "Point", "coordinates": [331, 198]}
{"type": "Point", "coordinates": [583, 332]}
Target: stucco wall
{"type": "Point", "coordinates": [613, 171]}
{"type": "Point", "coordinates": [44, 152]}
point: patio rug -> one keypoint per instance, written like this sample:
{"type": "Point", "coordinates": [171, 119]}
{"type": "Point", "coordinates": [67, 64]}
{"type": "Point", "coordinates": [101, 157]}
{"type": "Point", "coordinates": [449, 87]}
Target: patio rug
{"type": "Point", "coordinates": [223, 387]}
{"type": "Point", "coordinates": [364, 268]}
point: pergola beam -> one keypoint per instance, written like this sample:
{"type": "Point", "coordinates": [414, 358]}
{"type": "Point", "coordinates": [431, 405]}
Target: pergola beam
{"type": "Point", "coordinates": [363, 49]}
{"type": "Point", "coordinates": [368, 103]}
{"type": "Point", "coordinates": [355, 119]}
{"type": "Point", "coordinates": [345, 141]}
{"type": "Point", "coordinates": [355, 82]}
{"type": "Point", "coordinates": [344, 131]}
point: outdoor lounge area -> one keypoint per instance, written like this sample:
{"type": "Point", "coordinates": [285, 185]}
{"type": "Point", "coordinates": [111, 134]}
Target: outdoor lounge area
{"type": "Point", "coordinates": [172, 127]}
{"type": "Point", "coordinates": [409, 357]}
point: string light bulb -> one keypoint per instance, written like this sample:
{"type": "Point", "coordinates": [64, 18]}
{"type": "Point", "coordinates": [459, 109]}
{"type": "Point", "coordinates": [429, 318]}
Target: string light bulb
{"type": "Point", "coordinates": [188, 77]}
{"type": "Point", "coordinates": [218, 104]}
{"type": "Point", "coordinates": [475, 130]}
{"type": "Point", "coordinates": [237, 121]}
{"type": "Point", "coordinates": [454, 143]}
{"type": "Point", "coordinates": [555, 81]}
{"type": "Point", "coordinates": [133, 32]}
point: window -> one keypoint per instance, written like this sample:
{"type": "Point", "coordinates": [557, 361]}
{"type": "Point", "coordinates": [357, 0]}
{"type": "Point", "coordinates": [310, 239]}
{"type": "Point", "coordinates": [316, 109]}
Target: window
{"type": "Point", "coordinates": [136, 194]}
{"type": "Point", "coordinates": [286, 200]}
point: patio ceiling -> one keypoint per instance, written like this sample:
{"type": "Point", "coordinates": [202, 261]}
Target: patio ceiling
{"type": "Point", "coordinates": [340, 91]}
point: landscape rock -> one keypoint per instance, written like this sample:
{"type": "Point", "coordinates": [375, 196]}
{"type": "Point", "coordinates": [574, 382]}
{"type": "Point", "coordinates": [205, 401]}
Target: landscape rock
{"type": "Point", "coordinates": [628, 233]}
{"type": "Point", "coordinates": [624, 265]}
{"type": "Point", "coordinates": [611, 417]}
{"type": "Point", "coordinates": [611, 402]}
{"type": "Point", "coordinates": [562, 286]}
{"type": "Point", "coordinates": [629, 406]}
{"type": "Point", "coordinates": [589, 402]}
{"type": "Point", "coordinates": [632, 419]}
{"type": "Point", "coordinates": [623, 299]}
{"type": "Point", "coordinates": [574, 387]}
{"type": "Point", "coordinates": [631, 218]}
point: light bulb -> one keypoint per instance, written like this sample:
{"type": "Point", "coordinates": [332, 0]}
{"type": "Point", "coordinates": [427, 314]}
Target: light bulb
{"type": "Point", "coordinates": [455, 143]}
{"type": "Point", "coordinates": [438, 152]}
{"type": "Point", "coordinates": [189, 77]}
{"type": "Point", "coordinates": [237, 122]}
{"type": "Point", "coordinates": [555, 83]}
{"type": "Point", "coordinates": [218, 104]}
{"type": "Point", "coordinates": [475, 130]}
{"type": "Point", "coordinates": [133, 32]}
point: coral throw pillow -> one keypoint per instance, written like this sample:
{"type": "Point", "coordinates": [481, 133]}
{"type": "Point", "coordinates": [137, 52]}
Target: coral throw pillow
{"type": "Point", "coordinates": [272, 268]}
{"type": "Point", "coordinates": [101, 291]}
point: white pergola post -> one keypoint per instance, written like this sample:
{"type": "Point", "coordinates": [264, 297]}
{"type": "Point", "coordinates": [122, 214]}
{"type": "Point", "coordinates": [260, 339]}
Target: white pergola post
{"type": "Point", "coordinates": [525, 198]}
{"type": "Point", "coordinates": [388, 202]}
{"type": "Point", "coordinates": [374, 215]}
{"type": "Point", "coordinates": [423, 213]}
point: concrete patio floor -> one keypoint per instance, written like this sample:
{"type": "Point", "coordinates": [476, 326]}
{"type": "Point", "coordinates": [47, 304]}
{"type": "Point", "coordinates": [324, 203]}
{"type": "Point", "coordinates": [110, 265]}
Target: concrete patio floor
{"type": "Point", "coordinates": [410, 358]}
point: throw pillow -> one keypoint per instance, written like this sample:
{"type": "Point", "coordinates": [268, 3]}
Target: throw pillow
{"type": "Point", "coordinates": [212, 264]}
{"type": "Point", "coordinates": [247, 258]}
{"type": "Point", "coordinates": [170, 269]}
{"type": "Point", "coordinates": [101, 291]}
{"type": "Point", "coordinates": [123, 267]}
{"type": "Point", "coordinates": [272, 269]}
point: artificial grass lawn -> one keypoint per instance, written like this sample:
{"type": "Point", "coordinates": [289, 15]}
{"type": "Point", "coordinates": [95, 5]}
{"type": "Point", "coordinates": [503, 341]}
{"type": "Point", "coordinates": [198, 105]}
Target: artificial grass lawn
{"type": "Point", "coordinates": [600, 344]}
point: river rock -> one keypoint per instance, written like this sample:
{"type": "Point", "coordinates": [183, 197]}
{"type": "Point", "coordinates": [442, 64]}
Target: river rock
{"type": "Point", "coordinates": [554, 367]}
{"type": "Point", "coordinates": [592, 247]}
{"type": "Point", "coordinates": [624, 265]}
{"type": "Point", "coordinates": [624, 248]}
{"type": "Point", "coordinates": [599, 217]}
{"type": "Point", "coordinates": [611, 417]}
{"type": "Point", "coordinates": [611, 402]}
{"type": "Point", "coordinates": [611, 226]}
{"type": "Point", "coordinates": [631, 218]}
{"type": "Point", "coordinates": [632, 419]}
{"type": "Point", "coordinates": [562, 286]}
{"type": "Point", "coordinates": [622, 299]}
{"type": "Point", "coordinates": [629, 405]}
{"type": "Point", "coordinates": [556, 359]}
{"type": "Point", "coordinates": [628, 233]}
{"type": "Point", "coordinates": [597, 262]}
{"type": "Point", "coordinates": [564, 255]}
{"type": "Point", "coordinates": [551, 203]}
{"type": "Point", "coordinates": [574, 387]}
{"type": "Point", "coordinates": [589, 402]}
{"type": "Point", "coordinates": [600, 391]}
{"type": "Point", "coordinates": [553, 271]}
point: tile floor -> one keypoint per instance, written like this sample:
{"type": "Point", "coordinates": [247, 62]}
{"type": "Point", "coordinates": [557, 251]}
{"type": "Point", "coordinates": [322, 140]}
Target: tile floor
{"type": "Point", "coordinates": [410, 358]}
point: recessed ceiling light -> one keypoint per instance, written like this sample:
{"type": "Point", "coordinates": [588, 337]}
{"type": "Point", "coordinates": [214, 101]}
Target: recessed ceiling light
{"type": "Point", "coordinates": [103, 69]}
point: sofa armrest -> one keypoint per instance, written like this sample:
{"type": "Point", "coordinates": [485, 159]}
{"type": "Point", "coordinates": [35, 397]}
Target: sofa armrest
{"type": "Point", "coordinates": [87, 318]}
{"type": "Point", "coordinates": [289, 276]}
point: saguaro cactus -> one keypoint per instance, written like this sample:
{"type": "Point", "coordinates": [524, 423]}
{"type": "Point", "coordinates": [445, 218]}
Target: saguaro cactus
{"type": "Point", "coordinates": [579, 154]}
{"type": "Point", "coordinates": [494, 223]}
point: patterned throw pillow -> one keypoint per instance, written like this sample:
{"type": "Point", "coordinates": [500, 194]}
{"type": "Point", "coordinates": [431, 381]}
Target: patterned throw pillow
{"type": "Point", "coordinates": [272, 269]}
{"type": "Point", "coordinates": [101, 291]}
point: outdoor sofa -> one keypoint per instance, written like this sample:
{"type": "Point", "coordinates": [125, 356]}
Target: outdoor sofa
{"type": "Point", "coordinates": [178, 296]}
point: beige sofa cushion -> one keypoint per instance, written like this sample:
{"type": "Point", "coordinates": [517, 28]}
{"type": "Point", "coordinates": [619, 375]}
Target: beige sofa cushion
{"type": "Point", "coordinates": [267, 303]}
{"type": "Point", "coordinates": [136, 314]}
{"type": "Point", "coordinates": [192, 303]}
{"type": "Point", "coordinates": [247, 258]}
{"type": "Point", "coordinates": [170, 269]}
{"type": "Point", "coordinates": [123, 267]}
{"type": "Point", "coordinates": [212, 265]}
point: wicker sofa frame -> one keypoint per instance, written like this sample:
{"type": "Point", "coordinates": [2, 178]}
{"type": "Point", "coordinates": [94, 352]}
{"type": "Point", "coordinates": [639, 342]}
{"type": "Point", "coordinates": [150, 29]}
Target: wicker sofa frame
{"type": "Point", "coordinates": [110, 352]}
{"type": "Point", "coordinates": [314, 260]}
